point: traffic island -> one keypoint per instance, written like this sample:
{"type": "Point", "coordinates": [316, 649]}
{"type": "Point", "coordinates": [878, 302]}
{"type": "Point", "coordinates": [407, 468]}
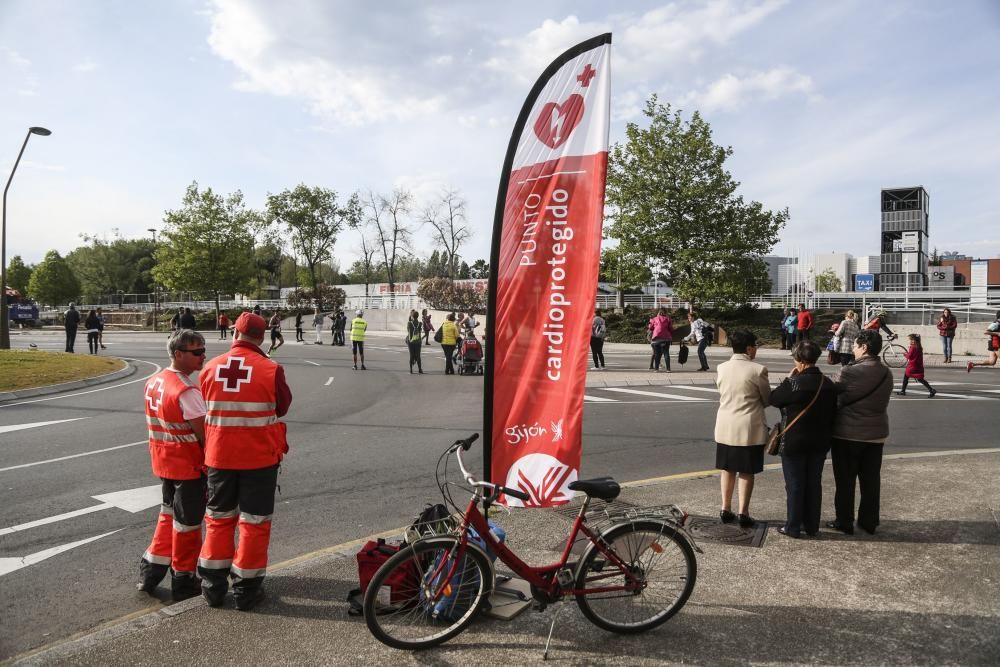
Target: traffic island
{"type": "Point", "coordinates": [31, 372]}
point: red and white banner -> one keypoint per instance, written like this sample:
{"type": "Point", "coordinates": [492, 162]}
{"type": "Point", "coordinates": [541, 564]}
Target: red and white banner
{"type": "Point", "coordinates": [544, 265]}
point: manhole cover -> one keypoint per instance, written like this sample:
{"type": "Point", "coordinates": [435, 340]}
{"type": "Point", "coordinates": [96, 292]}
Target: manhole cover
{"type": "Point", "coordinates": [711, 529]}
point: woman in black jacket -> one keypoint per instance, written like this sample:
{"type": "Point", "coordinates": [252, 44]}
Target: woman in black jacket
{"type": "Point", "coordinates": [807, 441]}
{"type": "Point", "coordinates": [93, 325]}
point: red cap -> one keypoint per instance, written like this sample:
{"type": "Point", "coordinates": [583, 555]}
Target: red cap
{"type": "Point", "coordinates": [251, 325]}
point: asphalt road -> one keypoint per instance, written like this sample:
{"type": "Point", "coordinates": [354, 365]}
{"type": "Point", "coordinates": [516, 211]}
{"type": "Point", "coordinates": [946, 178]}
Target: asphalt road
{"type": "Point", "coordinates": [363, 452]}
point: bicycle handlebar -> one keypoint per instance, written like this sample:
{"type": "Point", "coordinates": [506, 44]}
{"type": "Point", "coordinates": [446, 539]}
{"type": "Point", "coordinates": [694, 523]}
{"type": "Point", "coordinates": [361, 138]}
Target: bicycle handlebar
{"type": "Point", "coordinates": [463, 446]}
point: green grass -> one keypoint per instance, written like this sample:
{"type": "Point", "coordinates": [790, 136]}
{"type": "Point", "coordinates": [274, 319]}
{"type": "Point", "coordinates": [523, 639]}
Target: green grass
{"type": "Point", "coordinates": [24, 369]}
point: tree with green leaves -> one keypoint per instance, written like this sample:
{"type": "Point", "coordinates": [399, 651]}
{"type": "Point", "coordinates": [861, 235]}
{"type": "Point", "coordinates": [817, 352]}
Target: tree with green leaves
{"type": "Point", "coordinates": [670, 199]}
{"type": "Point", "coordinates": [106, 267]}
{"type": "Point", "coordinates": [480, 269]}
{"type": "Point", "coordinates": [829, 281]}
{"type": "Point", "coordinates": [313, 217]}
{"type": "Point", "coordinates": [18, 275]}
{"type": "Point", "coordinates": [629, 272]}
{"type": "Point", "coordinates": [207, 245]}
{"type": "Point", "coordinates": [53, 282]}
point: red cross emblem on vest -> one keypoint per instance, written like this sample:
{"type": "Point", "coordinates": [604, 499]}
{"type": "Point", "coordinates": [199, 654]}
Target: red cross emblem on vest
{"type": "Point", "coordinates": [233, 374]}
{"type": "Point", "coordinates": [154, 394]}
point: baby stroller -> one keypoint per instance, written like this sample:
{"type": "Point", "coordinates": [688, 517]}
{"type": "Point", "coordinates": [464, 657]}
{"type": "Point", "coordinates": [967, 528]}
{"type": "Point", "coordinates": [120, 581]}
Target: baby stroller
{"type": "Point", "coordinates": [469, 356]}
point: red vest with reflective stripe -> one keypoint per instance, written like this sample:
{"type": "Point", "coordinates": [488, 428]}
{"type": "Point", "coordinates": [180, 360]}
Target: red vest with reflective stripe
{"type": "Point", "coordinates": [173, 446]}
{"type": "Point", "coordinates": [242, 431]}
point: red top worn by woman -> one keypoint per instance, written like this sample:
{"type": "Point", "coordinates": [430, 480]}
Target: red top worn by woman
{"type": "Point", "coordinates": [914, 362]}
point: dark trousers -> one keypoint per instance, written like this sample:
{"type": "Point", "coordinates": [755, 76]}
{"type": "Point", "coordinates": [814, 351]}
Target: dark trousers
{"type": "Point", "coordinates": [449, 353]}
{"type": "Point", "coordinates": [802, 334]}
{"type": "Point", "coordinates": [661, 348]}
{"type": "Point", "coordinates": [857, 463]}
{"type": "Point", "coordinates": [702, 359]}
{"type": "Point", "coordinates": [784, 340]}
{"type": "Point", "coordinates": [846, 358]}
{"type": "Point", "coordinates": [597, 351]}
{"type": "Point", "coordinates": [804, 491]}
{"type": "Point", "coordinates": [92, 341]}
{"type": "Point", "coordinates": [338, 339]}
{"type": "Point", "coordinates": [906, 381]}
{"type": "Point", "coordinates": [415, 355]}
{"type": "Point", "coordinates": [791, 339]}
{"type": "Point", "coordinates": [70, 338]}
{"type": "Point", "coordinates": [300, 336]}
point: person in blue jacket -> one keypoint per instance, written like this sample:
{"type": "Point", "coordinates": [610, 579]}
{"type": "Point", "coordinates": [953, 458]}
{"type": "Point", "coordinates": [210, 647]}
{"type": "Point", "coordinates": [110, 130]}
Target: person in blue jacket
{"type": "Point", "coordinates": [791, 326]}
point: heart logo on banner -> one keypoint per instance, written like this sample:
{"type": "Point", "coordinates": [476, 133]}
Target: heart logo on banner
{"type": "Point", "coordinates": [557, 121]}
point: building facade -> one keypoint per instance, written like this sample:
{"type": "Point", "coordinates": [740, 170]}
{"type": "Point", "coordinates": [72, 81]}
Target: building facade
{"type": "Point", "coordinates": [905, 222]}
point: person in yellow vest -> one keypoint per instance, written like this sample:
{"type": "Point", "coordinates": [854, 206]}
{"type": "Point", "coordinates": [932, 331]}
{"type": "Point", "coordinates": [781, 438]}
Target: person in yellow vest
{"type": "Point", "coordinates": [175, 418]}
{"type": "Point", "coordinates": [358, 328]}
{"type": "Point", "coordinates": [449, 339]}
{"type": "Point", "coordinates": [246, 394]}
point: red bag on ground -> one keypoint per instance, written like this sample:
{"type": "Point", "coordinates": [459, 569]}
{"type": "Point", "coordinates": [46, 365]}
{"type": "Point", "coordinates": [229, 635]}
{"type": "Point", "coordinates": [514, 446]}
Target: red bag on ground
{"type": "Point", "coordinates": [373, 554]}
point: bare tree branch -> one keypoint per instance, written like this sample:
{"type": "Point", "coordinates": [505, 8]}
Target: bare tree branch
{"type": "Point", "coordinates": [451, 229]}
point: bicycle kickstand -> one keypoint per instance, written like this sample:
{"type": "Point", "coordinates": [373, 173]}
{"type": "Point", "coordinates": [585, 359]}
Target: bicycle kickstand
{"type": "Point", "coordinates": [555, 617]}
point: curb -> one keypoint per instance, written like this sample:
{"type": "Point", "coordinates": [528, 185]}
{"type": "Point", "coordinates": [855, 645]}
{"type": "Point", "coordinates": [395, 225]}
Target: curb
{"type": "Point", "coordinates": [129, 369]}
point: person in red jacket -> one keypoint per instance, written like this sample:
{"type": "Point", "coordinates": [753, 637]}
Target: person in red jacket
{"type": "Point", "coordinates": [805, 323]}
{"type": "Point", "coordinates": [175, 417]}
{"type": "Point", "coordinates": [245, 393]}
{"type": "Point", "coordinates": [915, 366]}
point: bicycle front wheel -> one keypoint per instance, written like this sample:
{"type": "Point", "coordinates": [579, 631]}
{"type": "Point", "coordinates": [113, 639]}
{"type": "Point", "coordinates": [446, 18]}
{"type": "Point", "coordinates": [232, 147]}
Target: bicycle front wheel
{"type": "Point", "coordinates": [662, 569]}
{"type": "Point", "coordinates": [894, 355]}
{"type": "Point", "coordinates": [425, 594]}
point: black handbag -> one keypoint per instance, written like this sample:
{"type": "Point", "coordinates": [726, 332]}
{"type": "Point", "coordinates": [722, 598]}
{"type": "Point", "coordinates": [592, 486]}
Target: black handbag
{"type": "Point", "coordinates": [682, 354]}
{"type": "Point", "coordinates": [777, 433]}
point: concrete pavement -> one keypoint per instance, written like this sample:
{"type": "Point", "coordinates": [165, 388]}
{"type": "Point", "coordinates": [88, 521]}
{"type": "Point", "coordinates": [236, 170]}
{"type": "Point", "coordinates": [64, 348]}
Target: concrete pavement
{"type": "Point", "coordinates": [924, 590]}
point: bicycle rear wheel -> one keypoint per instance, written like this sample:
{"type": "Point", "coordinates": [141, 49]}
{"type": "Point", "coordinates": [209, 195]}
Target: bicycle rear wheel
{"type": "Point", "coordinates": [662, 561]}
{"type": "Point", "coordinates": [894, 355]}
{"type": "Point", "coordinates": [407, 607]}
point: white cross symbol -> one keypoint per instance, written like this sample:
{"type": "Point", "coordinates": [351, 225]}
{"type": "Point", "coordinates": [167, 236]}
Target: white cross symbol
{"type": "Point", "coordinates": [154, 394]}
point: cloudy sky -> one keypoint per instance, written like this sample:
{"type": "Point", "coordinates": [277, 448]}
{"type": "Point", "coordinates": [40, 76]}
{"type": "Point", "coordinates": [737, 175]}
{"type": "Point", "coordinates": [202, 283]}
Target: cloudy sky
{"type": "Point", "coordinates": [824, 103]}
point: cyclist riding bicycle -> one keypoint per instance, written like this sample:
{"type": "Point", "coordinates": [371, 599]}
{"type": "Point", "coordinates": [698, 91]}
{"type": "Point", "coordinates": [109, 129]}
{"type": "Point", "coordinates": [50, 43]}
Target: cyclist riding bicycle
{"type": "Point", "coordinates": [877, 322]}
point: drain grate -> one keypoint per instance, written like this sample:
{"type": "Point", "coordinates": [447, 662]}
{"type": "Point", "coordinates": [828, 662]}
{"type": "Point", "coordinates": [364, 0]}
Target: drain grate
{"type": "Point", "coordinates": [711, 529]}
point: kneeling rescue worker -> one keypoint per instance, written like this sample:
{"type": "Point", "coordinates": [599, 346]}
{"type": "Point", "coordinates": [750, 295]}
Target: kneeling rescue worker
{"type": "Point", "coordinates": [245, 393]}
{"type": "Point", "coordinates": [175, 417]}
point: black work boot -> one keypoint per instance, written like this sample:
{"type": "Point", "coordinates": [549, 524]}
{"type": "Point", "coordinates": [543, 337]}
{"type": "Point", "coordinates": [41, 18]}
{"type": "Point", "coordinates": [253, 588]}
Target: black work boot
{"type": "Point", "coordinates": [247, 599]}
{"type": "Point", "coordinates": [150, 576]}
{"type": "Point", "coordinates": [184, 586]}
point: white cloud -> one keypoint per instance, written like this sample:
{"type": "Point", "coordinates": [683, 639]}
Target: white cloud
{"type": "Point", "coordinates": [27, 92]}
{"type": "Point", "coordinates": [42, 166]}
{"type": "Point", "coordinates": [85, 66]}
{"type": "Point", "coordinates": [731, 92]}
{"type": "Point", "coordinates": [17, 60]}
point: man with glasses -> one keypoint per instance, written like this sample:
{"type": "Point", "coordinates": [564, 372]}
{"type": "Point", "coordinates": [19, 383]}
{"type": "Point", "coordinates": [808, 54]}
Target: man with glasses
{"type": "Point", "coordinates": [175, 417]}
{"type": "Point", "coordinates": [246, 394]}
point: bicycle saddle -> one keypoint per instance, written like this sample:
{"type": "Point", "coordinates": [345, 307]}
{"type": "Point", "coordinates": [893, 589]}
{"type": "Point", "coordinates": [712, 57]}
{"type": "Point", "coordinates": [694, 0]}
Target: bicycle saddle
{"type": "Point", "coordinates": [604, 488]}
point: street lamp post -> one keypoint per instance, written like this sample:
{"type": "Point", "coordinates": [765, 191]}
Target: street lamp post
{"type": "Point", "coordinates": [4, 321]}
{"type": "Point", "coordinates": [156, 296]}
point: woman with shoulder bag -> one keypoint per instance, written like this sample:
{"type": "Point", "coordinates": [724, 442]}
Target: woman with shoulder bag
{"type": "Point", "coordinates": [844, 339]}
{"type": "Point", "coordinates": [808, 403]}
{"type": "Point", "coordinates": [414, 335]}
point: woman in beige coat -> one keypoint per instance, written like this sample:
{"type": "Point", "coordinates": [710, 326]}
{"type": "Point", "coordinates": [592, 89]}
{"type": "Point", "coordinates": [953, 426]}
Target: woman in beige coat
{"type": "Point", "coordinates": [740, 430]}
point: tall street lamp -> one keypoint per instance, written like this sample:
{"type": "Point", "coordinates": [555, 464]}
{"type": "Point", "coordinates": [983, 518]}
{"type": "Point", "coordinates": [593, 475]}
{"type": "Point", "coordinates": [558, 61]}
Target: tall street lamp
{"type": "Point", "coordinates": [156, 297]}
{"type": "Point", "coordinates": [4, 322]}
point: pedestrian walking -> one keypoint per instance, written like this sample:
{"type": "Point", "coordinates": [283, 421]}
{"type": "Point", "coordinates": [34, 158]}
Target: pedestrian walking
{"type": "Point", "coordinates": [428, 327]}
{"type": "Point", "coordinates": [915, 366]}
{"type": "Point", "coordinates": [274, 324]}
{"type": "Point", "coordinates": [804, 324]}
{"type": "Point", "coordinates": [847, 331]}
{"type": "Point", "coordinates": [783, 330]}
{"type": "Point", "coordinates": [700, 335]}
{"type": "Point", "coordinates": [859, 434]}
{"type": "Point", "coordinates": [740, 430]}
{"type": "Point", "coordinates": [449, 338]}
{"type": "Point", "coordinates": [246, 395]}
{"type": "Point", "coordinates": [91, 324]}
{"type": "Point", "coordinates": [175, 419]}
{"type": "Point", "coordinates": [71, 320]}
{"type": "Point", "coordinates": [223, 326]}
{"type": "Point", "coordinates": [992, 345]}
{"type": "Point", "coordinates": [414, 336]}
{"type": "Point", "coordinates": [100, 328]}
{"type": "Point", "coordinates": [791, 326]}
{"type": "Point", "coordinates": [808, 404]}
{"type": "Point", "coordinates": [299, 335]}
{"type": "Point", "coordinates": [661, 333]}
{"type": "Point", "coordinates": [358, 328]}
{"type": "Point", "coordinates": [175, 321]}
{"type": "Point", "coordinates": [341, 321]}
{"type": "Point", "coordinates": [187, 320]}
{"type": "Point", "coordinates": [318, 325]}
{"type": "Point", "coordinates": [598, 331]}
{"type": "Point", "coordinates": [947, 325]}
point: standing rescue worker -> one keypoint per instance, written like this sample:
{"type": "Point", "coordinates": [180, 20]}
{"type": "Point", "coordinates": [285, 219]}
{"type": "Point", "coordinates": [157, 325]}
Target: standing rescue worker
{"type": "Point", "coordinates": [175, 417]}
{"type": "Point", "coordinates": [358, 328]}
{"type": "Point", "coordinates": [246, 393]}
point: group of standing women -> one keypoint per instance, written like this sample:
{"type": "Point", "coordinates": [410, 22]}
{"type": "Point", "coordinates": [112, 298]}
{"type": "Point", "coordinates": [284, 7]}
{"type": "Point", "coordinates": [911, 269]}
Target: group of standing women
{"type": "Point", "coordinates": [846, 416]}
{"type": "Point", "coordinates": [419, 328]}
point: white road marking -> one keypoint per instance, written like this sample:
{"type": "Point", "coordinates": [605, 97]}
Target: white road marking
{"type": "Point", "coordinates": [966, 397]}
{"type": "Point", "coordinates": [329, 382]}
{"type": "Point", "coordinates": [90, 391]}
{"type": "Point", "coordinates": [21, 427]}
{"type": "Point", "coordinates": [689, 387]}
{"type": "Point", "coordinates": [987, 391]}
{"type": "Point", "coordinates": [8, 565]}
{"type": "Point", "coordinates": [310, 362]}
{"type": "Point", "coordinates": [597, 399]}
{"type": "Point", "coordinates": [73, 456]}
{"type": "Point", "coordinates": [671, 397]}
{"type": "Point", "coordinates": [130, 500]}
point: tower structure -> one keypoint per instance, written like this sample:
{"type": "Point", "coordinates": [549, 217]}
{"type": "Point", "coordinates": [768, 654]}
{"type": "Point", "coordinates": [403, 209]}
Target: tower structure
{"type": "Point", "coordinates": [905, 215]}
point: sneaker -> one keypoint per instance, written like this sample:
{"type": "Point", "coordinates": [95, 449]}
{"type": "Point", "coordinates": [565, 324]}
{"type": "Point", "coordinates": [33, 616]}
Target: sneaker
{"type": "Point", "coordinates": [363, 367]}
{"type": "Point", "coordinates": [969, 366]}
{"type": "Point", "coordinates": [147, 587]}
{"type": "Point", "coordinates": [933, 391]}
{"type": "Point", "coordinates": [900, 393]}
{"type": "Point", "coordinates": [249, 600]}
{"type": "Point", "coordinates": [355, 367]}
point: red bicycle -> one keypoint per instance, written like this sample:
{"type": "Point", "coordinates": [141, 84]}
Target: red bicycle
{"type": "Point", "coordinates": [635, 573]}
